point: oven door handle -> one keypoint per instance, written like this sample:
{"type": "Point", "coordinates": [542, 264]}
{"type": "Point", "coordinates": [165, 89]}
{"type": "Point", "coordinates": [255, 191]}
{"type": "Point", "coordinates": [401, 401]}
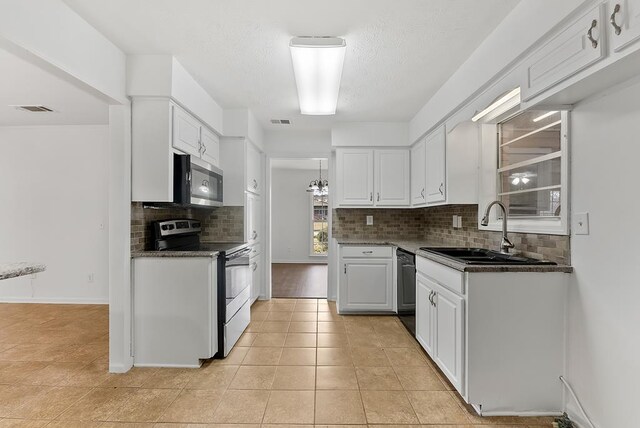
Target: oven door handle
{"type": "Point", "coordinates": [241, 253]}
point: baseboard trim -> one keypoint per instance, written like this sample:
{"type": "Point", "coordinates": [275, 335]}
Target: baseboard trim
{"type": "Point", "coordinates": [55, 301]}
{"type": "Point", "coordinates": [306, 262]}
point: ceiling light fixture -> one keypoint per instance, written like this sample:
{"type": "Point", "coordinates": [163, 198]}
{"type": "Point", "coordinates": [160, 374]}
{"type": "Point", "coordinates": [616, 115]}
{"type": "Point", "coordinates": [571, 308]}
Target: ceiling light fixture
{"type": "Point", "coordinates": [544, 116]}
{"type": "Point", "coordinates": [317, 66]}
{"type": "Point", "coordinates": [503, 104]}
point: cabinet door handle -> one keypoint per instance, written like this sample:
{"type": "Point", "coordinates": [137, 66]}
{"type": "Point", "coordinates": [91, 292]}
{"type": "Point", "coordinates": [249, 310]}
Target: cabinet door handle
{"type": "Point", "coordinates": [204, 149]}
{"type": "Point", "coordinates": [367, 252]}
{"type": "Point", "coordinates": [254, 266]}
{"type": "Point", "coordinates": [345, 268]}
{"type": "Point", "coordinates": [254, 235]}
{"type": "Point", "coordinates": [433, 299]}
{"type": "Point", "coordinates": [430, 296]}
{"type": "Point", "coordinates": [255, 184]}
{"type": "Point", "coordinates": [378, 196]}
{"type": "Point", "coordinates": [594, 42]}
{"type": "Point", "coordinates": [440, 189]}
{"type": "Point", "coordinates": [422, 193]}
{"type": "Point", "coordinates": [612, 19]}
{"type": "Point", "coordinates": [371, 197]}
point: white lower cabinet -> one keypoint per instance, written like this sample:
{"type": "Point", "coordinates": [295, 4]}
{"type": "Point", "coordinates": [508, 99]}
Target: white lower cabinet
{"type": "Point", "coordinates": [366, 280]}
{"type": "Point", "coordinates": [497, 336]}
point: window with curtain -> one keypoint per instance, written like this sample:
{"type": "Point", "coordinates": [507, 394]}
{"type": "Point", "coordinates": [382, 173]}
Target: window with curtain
{"type": "Point", "coordinates": [319, 224]}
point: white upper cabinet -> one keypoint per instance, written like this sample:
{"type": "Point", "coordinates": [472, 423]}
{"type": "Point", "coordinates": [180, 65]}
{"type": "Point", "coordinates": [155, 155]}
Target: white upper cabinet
{"type": "Point", "coordinates": [368, 177]}
{"type": "Point", "coordinates": [624, 21]}
{"type": "Point", "coordinates": [435, 147]}
{"type": "Point", "coordinates": [418, 174]}
{"type": "Point", "coordinates": [254, 169]}
{"type": "Point", "coordinates": [210, 149]}
{"type": "Point", "coordinates": [354, 177]}
{"type": "Point", "coordinates": [579, 45]}
{"type": "Point", "coordinates": [160, 128]}
{"type": "Point", "coordinates": [392, 177]}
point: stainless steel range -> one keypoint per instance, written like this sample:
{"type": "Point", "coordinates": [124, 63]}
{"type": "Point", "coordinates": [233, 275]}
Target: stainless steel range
{"type": "Point", "coordinates": [234, 275]}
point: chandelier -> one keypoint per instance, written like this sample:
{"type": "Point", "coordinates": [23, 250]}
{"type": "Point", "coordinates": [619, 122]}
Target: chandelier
{"type": "Point", "coordinates": [319, 187]}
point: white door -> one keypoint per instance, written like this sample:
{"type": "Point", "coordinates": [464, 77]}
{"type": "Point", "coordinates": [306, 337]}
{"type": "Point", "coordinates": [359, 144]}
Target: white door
{"type": "Point", "coordinates": [366, 285]}
{"type": "Point", "coordinates": [254, 169]}
{"type": "Point", "coordinates": [252, 216]}
{"type": "Point", "coordinates": [424, 313]}
{"type": "Point", "coordinates": [186, 132]}
{"type": "Point", "coordinates": [355, 177]}
{"type": "Point", "coordinates": [435, 146]}
{"type": "Point", "coordinates": [625, 23]}
{"type": "Point", "coordinates": [210, 147]}
{"type": "Point", "coordinates": [418, 174]}
{"type": "Point", "coordinates": [392, 177]}
{"type": "Point", "coordinates": [448, 349]}
{"type": "Point", "coordinates": [256, 277]}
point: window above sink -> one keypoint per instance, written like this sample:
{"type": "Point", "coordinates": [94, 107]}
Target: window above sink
{"type": "Point", "coordinates": [525, 165]}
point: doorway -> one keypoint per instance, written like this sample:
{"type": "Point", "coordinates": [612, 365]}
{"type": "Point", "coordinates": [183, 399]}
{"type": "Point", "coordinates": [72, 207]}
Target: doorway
{"type": "Point", "coordinates": [300, 224]}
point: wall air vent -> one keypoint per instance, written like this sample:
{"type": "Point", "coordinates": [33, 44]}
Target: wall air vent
{"type": "Point", "coordinates": [34, 109]}
{"type": "Point", "coordinates": [281, 121]}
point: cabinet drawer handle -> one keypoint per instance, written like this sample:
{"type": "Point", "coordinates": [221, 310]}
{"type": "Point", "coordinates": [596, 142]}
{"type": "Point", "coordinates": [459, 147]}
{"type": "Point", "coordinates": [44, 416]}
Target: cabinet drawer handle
{"type": "Point", "coordinates": [440, 189]}
{"type": "Point", "coordinates": [594, 42]}
{"type": "Point", "coordinates": [367, 252]}
{"type": "Point", "coordinates": [618, 29]}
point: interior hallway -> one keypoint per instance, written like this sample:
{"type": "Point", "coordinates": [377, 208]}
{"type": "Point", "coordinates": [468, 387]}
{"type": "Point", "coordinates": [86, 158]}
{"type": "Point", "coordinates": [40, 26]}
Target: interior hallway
{"type": "Point", "coordinates": [298, 280]}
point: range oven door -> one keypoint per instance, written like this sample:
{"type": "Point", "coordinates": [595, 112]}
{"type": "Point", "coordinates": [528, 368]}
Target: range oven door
{"type": "Point", "coordinates": [237, 281]}
{"type": "Point", "coordinates": [196, 182]}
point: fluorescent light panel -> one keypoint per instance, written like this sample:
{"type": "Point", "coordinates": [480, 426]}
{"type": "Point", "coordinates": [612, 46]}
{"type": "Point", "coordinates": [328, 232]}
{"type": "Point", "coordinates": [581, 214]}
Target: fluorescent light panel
{"type": "Point", "coordinates": [503, 104]}
{"type": "Point", "coordinates": [317, 66]}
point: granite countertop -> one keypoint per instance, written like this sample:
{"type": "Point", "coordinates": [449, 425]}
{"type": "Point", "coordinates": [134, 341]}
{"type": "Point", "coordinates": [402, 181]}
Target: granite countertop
{"type": "Point", "coordinates": [12, 270]}
{"type": "Point", "coordinates": [151, 253]}
{"type": "Point", "coordinates": [414, 247]}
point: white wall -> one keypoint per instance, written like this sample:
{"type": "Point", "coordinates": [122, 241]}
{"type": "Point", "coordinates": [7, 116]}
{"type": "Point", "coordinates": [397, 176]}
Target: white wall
{"type": "Point", "coordinates": [289, 143]}
{"type": "Point", "coordinates": [370, 134]}
{"type": "Point", "coordinates": [57, 35]}
{"type": "Point", "coordinates": [291, 216]}
{"type": "Point", "coordinates": [54, 196]}
{"type": "Point", "coordinates": [604, 344]}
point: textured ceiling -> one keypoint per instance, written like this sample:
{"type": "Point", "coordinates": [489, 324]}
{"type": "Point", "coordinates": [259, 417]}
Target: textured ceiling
{"type": "Point", "coordinates": [398, 52]}
{"type": "Point", "coordinates": [24, 83]}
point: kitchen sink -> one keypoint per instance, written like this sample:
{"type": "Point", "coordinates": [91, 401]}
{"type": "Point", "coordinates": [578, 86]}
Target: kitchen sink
{"type": "Point", "coordinates": [482, 256]}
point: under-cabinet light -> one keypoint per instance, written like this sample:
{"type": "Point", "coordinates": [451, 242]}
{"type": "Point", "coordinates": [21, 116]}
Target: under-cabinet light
{"type": "Point", "coordinates": [503, 104]}
{"type": "Point", "coordinates": [544, 116]}
{"type": "Point", "coordinates": [317, 66]}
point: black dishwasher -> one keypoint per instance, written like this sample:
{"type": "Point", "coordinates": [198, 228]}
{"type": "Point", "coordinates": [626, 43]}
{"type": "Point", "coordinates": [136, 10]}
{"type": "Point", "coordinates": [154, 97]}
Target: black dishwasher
{"type": "Point", "coordinates": [406, 293]}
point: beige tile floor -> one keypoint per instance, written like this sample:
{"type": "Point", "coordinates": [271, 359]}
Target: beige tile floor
{"type": "Point", "coordinates": [298, 364]}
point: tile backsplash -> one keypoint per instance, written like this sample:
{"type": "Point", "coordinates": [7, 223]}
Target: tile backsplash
{"type": "Point", "coordinates": [435, 225]}
{"type": "Point", "coordinates": [224, 224]}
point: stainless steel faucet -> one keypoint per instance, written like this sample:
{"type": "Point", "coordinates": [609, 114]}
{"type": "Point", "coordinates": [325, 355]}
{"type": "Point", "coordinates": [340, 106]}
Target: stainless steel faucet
{"type": "Point", "coordinates": [505, 244]}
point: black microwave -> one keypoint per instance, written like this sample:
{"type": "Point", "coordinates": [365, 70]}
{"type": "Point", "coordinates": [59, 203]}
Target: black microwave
{"type": "Point", "coordinates": [195, 182]}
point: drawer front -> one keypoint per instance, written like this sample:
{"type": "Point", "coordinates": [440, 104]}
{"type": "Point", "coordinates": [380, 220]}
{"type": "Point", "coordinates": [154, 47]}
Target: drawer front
{"type": "Point", "coordinates": [577, 47]}
{"type": "Point", "coordinates": [443, 275]}
{"type": "Point", "coordinates": [378, 251]}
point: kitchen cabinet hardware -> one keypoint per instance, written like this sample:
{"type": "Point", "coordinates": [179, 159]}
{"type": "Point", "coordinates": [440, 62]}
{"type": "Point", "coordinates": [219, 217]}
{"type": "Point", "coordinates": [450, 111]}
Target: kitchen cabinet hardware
{"type": "Point", "coordinates": [367, 252]}
{"type": "Point", "coordinates": [440, 188]}
{"type": "Point", "coordinates": [378, 196]}
{"type": "Point", "coordinates": [371, 196]}
{"type": "Point", "coordinates": [612, 19]}
{"type": "Point", "coordinates": [422, 193]}
{"type": "Point", "coordinates": [594, 42]}
{"type": "Point", "coordinates": [345, 268]}
{"type": "Point", "coordinates": [254, 266]}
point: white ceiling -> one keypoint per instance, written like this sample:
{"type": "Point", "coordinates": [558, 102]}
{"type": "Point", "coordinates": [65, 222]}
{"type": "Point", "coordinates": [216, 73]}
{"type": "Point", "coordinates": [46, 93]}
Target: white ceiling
{"type": "Point", "coordinates": [25, 83]}
{"type": "Point", "coordinates": [398, 52]}
{"type": "Point", "coordinates": [302, 164]}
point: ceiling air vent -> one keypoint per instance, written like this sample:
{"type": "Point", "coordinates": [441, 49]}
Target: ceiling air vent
{"type": "Point", "coordinates": [34, 109]}
{"type": "Point", "coordinates": [281, 121]}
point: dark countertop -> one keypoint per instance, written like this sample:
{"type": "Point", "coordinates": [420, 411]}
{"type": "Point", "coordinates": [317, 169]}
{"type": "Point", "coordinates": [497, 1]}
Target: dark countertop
{"type": "Point", "coordinates": [151, 253]}
{"type": "Point", "coordinates": [13, 270]}
{"type": "Point", "coordinates": [414, 247]}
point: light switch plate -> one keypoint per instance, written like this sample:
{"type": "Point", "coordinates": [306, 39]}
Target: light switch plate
{"type": "Point", "coordinates": [455, 221]}
{"type": "Point", "coordinates": [369, 220]}
{"type": "Point", "coordinates": [459, 222]}
{"type": "Point", "coordinates": [581, 223]}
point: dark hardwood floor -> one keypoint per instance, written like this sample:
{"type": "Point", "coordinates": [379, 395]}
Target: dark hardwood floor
{"type": "Point", "coordinates": [299, 280]}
